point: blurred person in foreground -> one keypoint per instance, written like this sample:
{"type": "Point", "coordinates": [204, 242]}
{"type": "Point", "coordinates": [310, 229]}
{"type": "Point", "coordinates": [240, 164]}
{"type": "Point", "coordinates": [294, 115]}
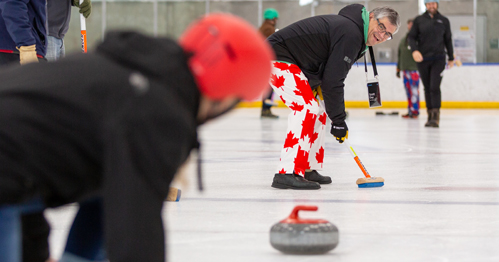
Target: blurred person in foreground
{"type": "Point", "coordinates": [313, 57]}
{"type": "Point", "coordinates": [116, 138]}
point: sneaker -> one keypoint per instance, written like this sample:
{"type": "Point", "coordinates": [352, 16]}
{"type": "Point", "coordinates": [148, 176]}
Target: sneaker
{"type": "Point", "coordinates": [292, 181]}
{"type": "Point", "coordinates": [267, 114]}
{"type": "Point", "coordinates": [316, 177]}
{"type": "Point", "coordinates": [409, 116]}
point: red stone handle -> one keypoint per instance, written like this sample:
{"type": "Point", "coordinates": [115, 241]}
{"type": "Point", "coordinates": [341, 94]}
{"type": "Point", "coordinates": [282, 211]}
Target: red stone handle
{"type": "Point", "coordinates": [293, 218]}
{"type": "Point", "coordinates": [294, 213]}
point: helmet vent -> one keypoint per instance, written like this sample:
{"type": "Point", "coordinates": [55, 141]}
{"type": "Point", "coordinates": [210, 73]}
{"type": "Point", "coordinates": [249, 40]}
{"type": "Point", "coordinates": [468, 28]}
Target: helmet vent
{"type": "Point", "coordinates": [230, 52]}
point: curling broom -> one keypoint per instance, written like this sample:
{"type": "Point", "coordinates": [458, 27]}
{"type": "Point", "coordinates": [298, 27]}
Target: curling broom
{"type": "Point", "coordinates": [83, 32]}
{"type": "Point", "coordinates": [366, 181]}
{"type": "Point", "coordinates": [173, 194]}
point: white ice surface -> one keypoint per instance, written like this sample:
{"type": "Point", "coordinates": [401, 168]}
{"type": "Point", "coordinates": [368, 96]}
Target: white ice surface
{"type": "Point", "coordinates": [440, 201]}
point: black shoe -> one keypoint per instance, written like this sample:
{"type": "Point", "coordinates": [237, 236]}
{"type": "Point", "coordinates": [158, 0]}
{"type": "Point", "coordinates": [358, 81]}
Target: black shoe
{"type": "Point", "coordinates": [316, 177]}
{"type": "Point", "coordinates": [267, 114]}
{"type": "Point", "coordinates": [292, 181]}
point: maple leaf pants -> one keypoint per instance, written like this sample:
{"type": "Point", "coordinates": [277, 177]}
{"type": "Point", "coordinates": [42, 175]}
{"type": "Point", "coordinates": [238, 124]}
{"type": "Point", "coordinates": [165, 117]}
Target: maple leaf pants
{"type": "Point", "coordinates": [304, 145]}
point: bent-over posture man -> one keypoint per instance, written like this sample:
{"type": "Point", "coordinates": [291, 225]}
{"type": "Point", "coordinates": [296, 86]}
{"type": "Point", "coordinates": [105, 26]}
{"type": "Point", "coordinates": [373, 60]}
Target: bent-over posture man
{"type": "Point", "coordinates": [313, 57]}
{"type": "Point", "coordinates": [119, 129]}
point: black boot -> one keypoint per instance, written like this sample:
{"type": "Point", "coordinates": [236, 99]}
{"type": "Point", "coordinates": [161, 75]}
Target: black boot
{"type": "Point", "coordinates": [430, 118]}
{"type": "Point", "coordinates": [435, 121]}
{"type": "Point", "coordinates": [316, 177]}
{"type": "Point", "coordinates": [267, 114]}
{"type": "Point", "coordinates": [292, 181]}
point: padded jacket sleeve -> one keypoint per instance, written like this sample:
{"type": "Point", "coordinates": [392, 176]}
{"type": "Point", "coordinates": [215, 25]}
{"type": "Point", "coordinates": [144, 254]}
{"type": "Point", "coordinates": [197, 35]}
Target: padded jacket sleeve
{"type": "Point", "coordinates": [17, 20]}
{"type": "Point", "coordinates": [344, 54]}
{"type": "Point", "coordinates": [448, 40]}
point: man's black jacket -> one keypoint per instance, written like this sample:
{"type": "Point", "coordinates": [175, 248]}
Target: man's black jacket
{"type": "Point", "coordinates": [324, 48]}
{"type": "Point", "coordinates": [116, 123]}
{"type": "Point", "coordinates": [431, 36]}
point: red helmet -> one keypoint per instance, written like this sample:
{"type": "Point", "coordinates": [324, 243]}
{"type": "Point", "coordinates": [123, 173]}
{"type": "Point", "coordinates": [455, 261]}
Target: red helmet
{"type": "Point", "coordinates": [229, 58]}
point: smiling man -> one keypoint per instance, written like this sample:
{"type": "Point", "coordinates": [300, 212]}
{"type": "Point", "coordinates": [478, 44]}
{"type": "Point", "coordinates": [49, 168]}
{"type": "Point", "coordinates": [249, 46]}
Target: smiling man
{"type": "Point", "coordinates": [313, 57]}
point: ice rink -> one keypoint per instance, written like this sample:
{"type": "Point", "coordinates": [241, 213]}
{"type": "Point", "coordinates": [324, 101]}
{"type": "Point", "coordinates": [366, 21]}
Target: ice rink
{"type": "Point", "coordinates": [440, 201]}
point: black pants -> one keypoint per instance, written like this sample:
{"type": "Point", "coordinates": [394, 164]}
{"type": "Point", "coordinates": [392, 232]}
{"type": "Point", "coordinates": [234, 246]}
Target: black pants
{"type": "Point", "coordinates": [431, 76]}
{"type": "Point", "coordinates": [269, 96]}
{"type": "Point", "coordinates": [35, 233]}
{"type": "Point", "coordinates": [8, 59]}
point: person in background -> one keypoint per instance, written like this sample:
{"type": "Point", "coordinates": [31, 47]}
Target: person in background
{"type": "Point", "coordinates": [23, 31]}
{"type": "Point", "coordinates": [409, 69]}
{"type": "Point", "coordinates": [58, 18]}
{"type": "Point", "coordinates": [429, 38]}
{"type": "Point", "coordinates": [114, 135]}
{"type": "Point", "coordinates": [268, 27]}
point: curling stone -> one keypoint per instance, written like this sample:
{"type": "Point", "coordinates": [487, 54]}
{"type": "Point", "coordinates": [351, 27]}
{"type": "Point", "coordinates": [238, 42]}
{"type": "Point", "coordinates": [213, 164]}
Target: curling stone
{"type": "Point", "coordinates": [294, 235]}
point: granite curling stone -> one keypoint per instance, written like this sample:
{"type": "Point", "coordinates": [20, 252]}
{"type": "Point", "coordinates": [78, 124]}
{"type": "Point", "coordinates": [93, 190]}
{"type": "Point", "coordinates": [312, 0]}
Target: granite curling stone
{"type": "Point", "coordinates": [294, 235]}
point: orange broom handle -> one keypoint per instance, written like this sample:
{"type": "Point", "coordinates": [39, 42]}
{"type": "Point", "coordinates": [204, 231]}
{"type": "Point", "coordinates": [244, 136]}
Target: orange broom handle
{"type": "Point", "coordinates": [357, 159]}
{"type": "Point", "coordinates": [83, 32]}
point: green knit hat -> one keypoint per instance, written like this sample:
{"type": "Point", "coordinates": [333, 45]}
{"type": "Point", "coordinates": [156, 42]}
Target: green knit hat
{"type": "Point", "coordinates": [270, 13]}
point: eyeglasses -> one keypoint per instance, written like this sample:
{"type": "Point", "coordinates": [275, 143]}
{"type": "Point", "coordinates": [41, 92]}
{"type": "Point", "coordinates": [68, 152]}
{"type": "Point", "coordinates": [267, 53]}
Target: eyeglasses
{"type": "Point", "coordinates": [382, 30]}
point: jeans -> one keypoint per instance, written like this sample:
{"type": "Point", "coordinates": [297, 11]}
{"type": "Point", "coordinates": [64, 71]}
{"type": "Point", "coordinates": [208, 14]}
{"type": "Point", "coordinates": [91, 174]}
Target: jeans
{"type": "Point", "coordinates": [85, 241]}
{"type": "Point", "coordinates": [11, 228]}
{"type": "Point", "coordinates": [55, 48]}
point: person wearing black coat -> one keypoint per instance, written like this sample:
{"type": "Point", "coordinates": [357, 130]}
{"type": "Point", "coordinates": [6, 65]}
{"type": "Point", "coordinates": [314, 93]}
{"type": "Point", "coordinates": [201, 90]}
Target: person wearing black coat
{"type": "Point", "coordinates": [114, 125]}
{"type": "Point", "coordinates": [429, 38]}
{"type": "Point", "coordinates": [313, 57]}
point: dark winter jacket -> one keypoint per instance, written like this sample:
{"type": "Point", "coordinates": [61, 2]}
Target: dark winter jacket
{"type": "Point", "coordinates": [324, 47]}
{"type": "Point", "coordinates": [431, 36]}
{"type": "Point", "coordinates": [404, 56]}
{"type": "Point", "coordinates": [58, 17]}
{"type": "Point", "coordinates": [23, 23]}
{"type": "Point", "coordinates": [118, 129]}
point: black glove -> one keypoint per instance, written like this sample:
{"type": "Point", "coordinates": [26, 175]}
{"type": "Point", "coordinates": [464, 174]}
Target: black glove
{"type": "Point", "coordinates": [85, 7]}
{"type": "Point", "coordinates": [340, 131]}
{"type": "Point", "coordinates": [398, 74]}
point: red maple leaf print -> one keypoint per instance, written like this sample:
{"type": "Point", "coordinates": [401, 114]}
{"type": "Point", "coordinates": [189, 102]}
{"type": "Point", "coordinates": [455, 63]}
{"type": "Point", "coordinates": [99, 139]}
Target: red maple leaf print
{"type": "Point", "coordinates": [276, 81]}
{"type": "Point", "coordinates": [282, 99]}
{"type": "Point", "coordinates": [294, 69]}
{"type": "Point", "coordinates": [308, 125]}
{"type": "Point", "coordinates": [282, 171]}
{"type": "Point", "coordinates": [313, 137]}
{"type": "Point", "coordinates": [291, 140]}
{"type": "Point", "coordinates": [322, 118]}
{"type": "Point", "coordinates": [304, 90]}
{"type": "Point", "coordinates": [281, 66]}
{"type": "Point", "coordinates": [301, 161]}
{"type": "Point", "coordinates": [320, 156]}
{"type": "Point", "coordinates": [296, 107]}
